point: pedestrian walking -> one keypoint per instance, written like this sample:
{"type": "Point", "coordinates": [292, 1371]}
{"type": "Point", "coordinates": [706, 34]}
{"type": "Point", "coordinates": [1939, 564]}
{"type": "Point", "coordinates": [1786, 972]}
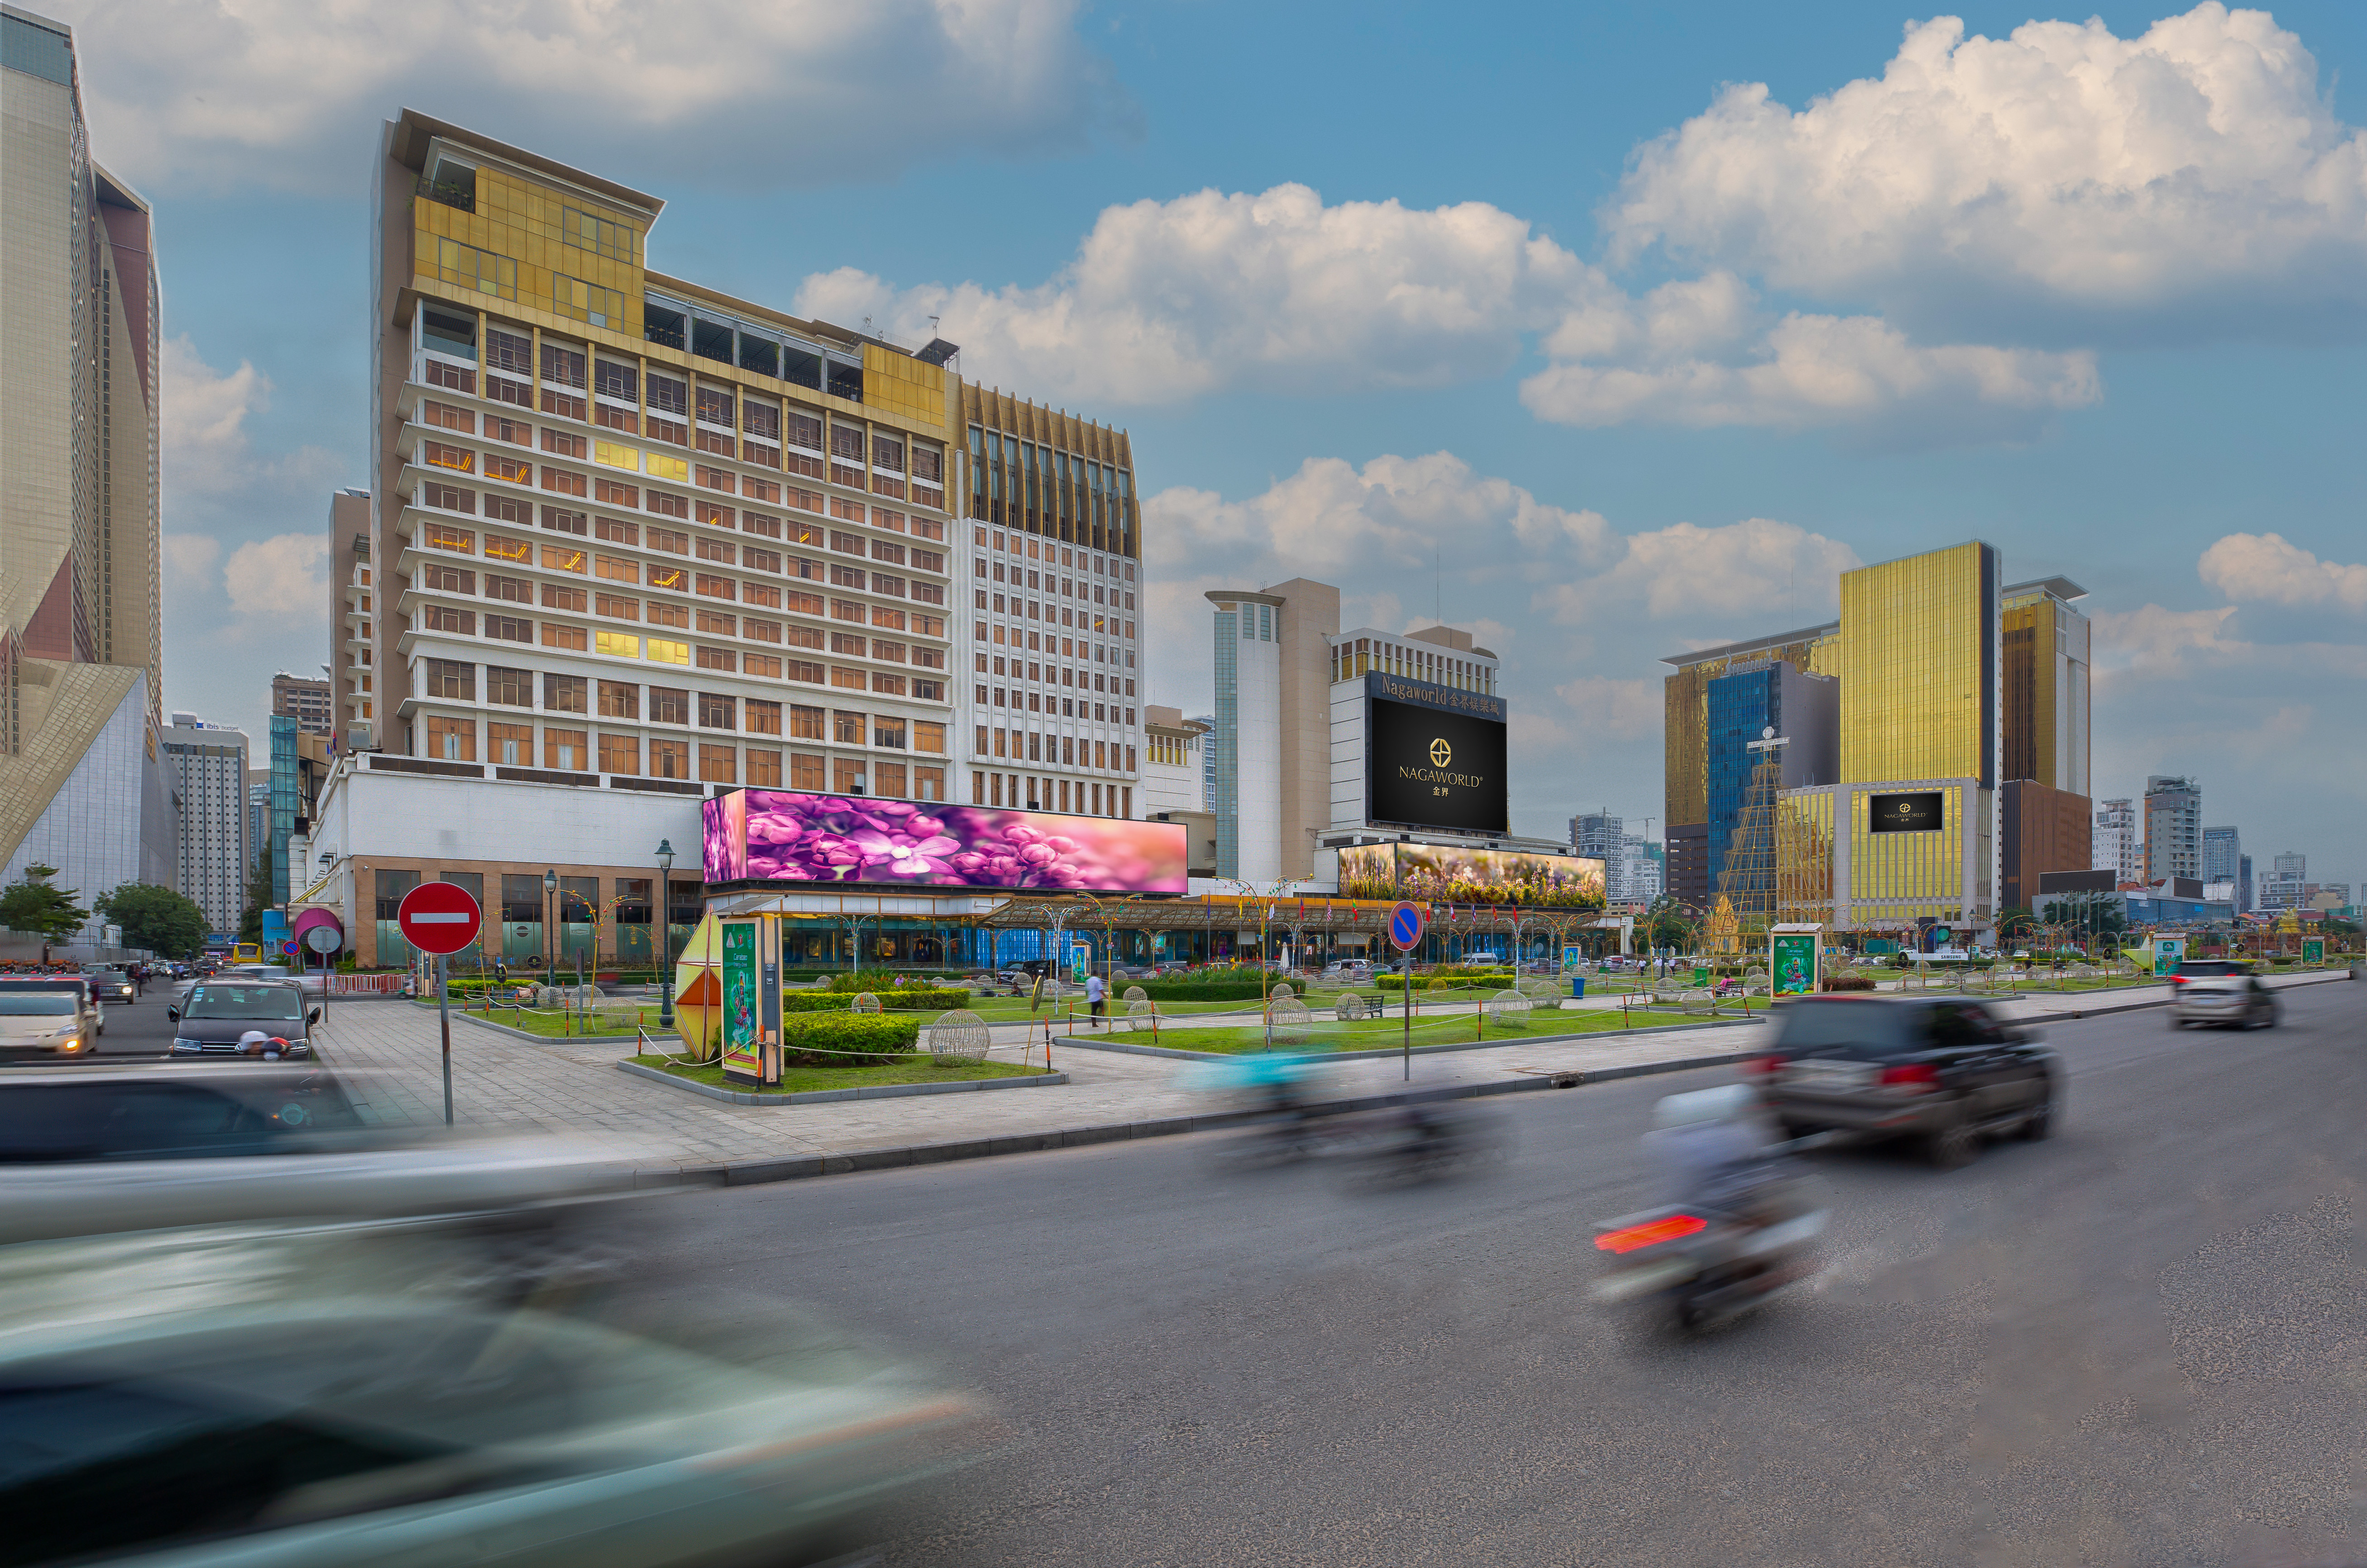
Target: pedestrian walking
{"type": "Point", "coordinates": [1097, 997]}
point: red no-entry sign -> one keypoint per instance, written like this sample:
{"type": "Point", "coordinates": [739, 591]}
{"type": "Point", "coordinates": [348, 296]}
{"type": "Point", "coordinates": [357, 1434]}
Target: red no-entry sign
{"type": "Point", "coordinates": [439, 918]}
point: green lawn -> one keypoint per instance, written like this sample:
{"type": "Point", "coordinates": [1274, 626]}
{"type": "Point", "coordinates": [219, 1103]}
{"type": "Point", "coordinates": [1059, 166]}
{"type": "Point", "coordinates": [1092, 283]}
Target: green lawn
{"type": "Point", "coordinates": [1380, 1034]}
{"type": "Point", "coordinates": [914, 1068]}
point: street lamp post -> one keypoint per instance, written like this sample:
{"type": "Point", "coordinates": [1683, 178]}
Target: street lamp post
{"type": "Point", "coordinates": [550, 925]}
{"type": "Point", "coordinates": [661, 916]}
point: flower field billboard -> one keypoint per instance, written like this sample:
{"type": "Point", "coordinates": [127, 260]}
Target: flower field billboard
{"type": "Point", "coordinates": [784, 836]}
{"type": "Point", "coordinates": [1441, 874]}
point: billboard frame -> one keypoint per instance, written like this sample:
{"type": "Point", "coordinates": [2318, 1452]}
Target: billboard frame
{"type": "Point", "coordinates": [1450, 700]}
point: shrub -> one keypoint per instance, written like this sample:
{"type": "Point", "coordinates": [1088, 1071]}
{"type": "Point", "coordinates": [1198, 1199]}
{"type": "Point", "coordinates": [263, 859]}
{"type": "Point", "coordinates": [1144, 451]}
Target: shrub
{"type": "Point", "coordinates": [1222, 985]}
{"type": "Point", "coordinates": [879, 980]}
{"type": "Point", "coordinates": [1848, 983]}
{"type": "Point", "coordinates": [846, 1040]}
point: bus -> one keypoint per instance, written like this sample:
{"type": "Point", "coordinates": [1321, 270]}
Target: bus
{"type": "Point", "coordinates": [246, 952]}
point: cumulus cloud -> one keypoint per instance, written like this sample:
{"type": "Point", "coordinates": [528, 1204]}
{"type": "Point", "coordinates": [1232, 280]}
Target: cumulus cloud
{"type": "Point", "coordinates": [1331, 518]}
{"type": "Point", "coordinates": [1757, 565]}
{"type": "Point", "coordinates": [1602, 706]}
{"type": "Point", "coordinates": [2265, 569]}
{"type": "Point", "coordinates": [770, 92]}
{"type": "Point", "coordinates": [203, 419]}
{"type": "Point", "coordinates": [1167, 301]}
{"type": "Point", "coordinates": [2194, 164]}
{"type": "Point", "coordinates": [278, 583]}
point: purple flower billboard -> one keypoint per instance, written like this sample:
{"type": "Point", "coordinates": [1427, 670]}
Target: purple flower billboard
{"type": "Point", "coordinates": [783, 836]}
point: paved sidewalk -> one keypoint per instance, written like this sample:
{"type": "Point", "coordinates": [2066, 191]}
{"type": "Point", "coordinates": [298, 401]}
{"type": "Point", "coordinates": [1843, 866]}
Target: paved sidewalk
{"type": "Point", "coordinates": [573, 1087]}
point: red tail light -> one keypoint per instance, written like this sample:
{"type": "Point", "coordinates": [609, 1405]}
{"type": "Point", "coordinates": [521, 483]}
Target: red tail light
{"type": "Point", "coordinates": [1911, 1075]}
{"type": "Point", "coordinates": [1651, 1233]}
{"type": "Point", "coordinates": [1763, 1066]}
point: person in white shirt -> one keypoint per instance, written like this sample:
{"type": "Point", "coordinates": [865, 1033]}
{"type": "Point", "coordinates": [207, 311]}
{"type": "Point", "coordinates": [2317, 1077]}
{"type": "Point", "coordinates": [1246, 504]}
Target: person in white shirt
{"type": "Point", "coordinates": [1096, 995]}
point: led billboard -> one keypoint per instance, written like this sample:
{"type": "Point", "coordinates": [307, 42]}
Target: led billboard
{"type": "Point", "coordinates": [775, 836]}
{"type": "Point", "coordinates": [1439, 873]}
{"type": "Point", "coordinates": [1917, 813]}
{"type": "Point", "coordinates": [1433, 758]}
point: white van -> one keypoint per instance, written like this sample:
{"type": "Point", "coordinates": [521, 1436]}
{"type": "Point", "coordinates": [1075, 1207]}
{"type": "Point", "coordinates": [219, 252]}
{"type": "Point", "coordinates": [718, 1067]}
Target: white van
{"type": "Point", "coordinates": [46, 1023]}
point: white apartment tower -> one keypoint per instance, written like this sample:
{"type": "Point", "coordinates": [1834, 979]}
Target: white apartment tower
{"type": "Point", "coordinates": [206, 766]}
{"type": "Point", "coordinates": [2116, 846]}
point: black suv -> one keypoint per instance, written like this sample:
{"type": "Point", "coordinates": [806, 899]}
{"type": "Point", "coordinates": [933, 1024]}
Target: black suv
{"type": "Point", "coordinates": [210, 1020]}
{"type": "Point", "coordinates": [1943, 1070]}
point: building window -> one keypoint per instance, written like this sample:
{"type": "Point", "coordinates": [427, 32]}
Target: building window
{"type": "Point", "coordinates": [718, 765]}
{"type": "Point", "coordinates": [511, 688]}
{"type": "Point", "coordinates": [451, 680]}
{"type": "Point", "coordinates": [670, 759]}
{"type": "Point", "coordinates": [718, 712]}
{"type": "Point", "coordinates": [469, 268]}
{"type": "Point", "coordinates": [764, 769]}
{"type": "Point", "coordinates": [621, 753]}
{"type": "Point", "coordinates": [452, 740]}
{"type": "Point", "coordinates": [582, 301]}
{"type": "Point", "coordinates": [619, 699]}
{"type": "Point", "coordinates": [846, 775]}
{"type": "Point", "coordinates": [563, 694]}
{"type": "Point", "coordinates": [511, 745]}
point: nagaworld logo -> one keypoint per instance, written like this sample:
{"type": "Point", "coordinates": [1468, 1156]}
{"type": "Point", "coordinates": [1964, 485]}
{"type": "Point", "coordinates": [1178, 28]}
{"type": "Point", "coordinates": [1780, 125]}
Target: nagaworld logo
{"type": "Point", "coordinates": [1441, 753]}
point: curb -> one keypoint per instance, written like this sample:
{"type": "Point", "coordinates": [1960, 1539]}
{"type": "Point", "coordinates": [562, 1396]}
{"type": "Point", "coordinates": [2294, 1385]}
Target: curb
{"type": "Point", "coordinates": [750, 1173]}
{"type": "Point", "coordinates": [828, 1096]}
{"type": "Point", "coordinates": [1173, 1055]}
{"type": "Point", "coordinates": [554, 1039]}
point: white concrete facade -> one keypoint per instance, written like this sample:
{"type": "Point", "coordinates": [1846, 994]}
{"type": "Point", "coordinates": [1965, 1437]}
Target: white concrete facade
{"type": "Point", "coordinates": [206, 767]}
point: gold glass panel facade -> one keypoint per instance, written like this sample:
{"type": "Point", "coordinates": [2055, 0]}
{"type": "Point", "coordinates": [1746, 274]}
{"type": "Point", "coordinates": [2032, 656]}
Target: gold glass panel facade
{"type": "Point", "coordinates": [1804, 856]}
{"type": "Point", "coordinates": [1894, 878]}
{"type": "Point", "coordinates": [1919, 667]}
{"type": "Point", "coordinates": [1684, 698]}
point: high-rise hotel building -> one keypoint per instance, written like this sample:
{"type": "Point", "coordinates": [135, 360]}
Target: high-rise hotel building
{"type": "Point", "coordinates": [82, 781]}
{"type": "Point", "coordinates": [1960, 755]}
{"type": "Point", "coordinates": [632, 541]}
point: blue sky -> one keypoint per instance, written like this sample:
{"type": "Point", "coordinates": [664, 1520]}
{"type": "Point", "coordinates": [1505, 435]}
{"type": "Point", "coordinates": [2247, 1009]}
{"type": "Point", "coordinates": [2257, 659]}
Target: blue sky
{"type": "Point", "coordinates": [1643, 353]}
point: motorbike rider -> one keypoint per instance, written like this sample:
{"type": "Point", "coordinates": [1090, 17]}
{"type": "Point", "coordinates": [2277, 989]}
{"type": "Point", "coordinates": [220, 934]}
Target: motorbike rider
{"type": "Point", "coordinates": [1710, 1147]}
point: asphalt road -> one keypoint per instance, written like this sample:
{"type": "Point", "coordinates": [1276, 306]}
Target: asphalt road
{"type": "Point", "coordinates": [141, 1028]}
{"type": "Point", "coordinates": [2144, 1341]}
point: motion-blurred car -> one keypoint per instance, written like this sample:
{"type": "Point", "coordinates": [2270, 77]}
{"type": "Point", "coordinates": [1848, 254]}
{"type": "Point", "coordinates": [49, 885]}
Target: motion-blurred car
{"type": "Point", "coordinates": [44, 1024]}
{"type": "Point", "coordinates": [2221, 991]}
{"type": "Point", "coordinates": [113, 986]}
{"type": "Point", "coordinates": [212, 1020]}
{"type": "Point", "coordinates": [94, 1009]}
{"type": "Point", "coordinates": [1942, 1070]}
{"type": "Point", "coordinates": [316, 1395]}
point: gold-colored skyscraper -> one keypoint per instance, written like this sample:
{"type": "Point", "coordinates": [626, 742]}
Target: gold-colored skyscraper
{"type": "Point", "coordinates": [81, 784]}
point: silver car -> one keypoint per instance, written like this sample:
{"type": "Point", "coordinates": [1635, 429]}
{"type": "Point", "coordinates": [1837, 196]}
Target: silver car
{"type": "Point", "coordinates": [2223, 991]}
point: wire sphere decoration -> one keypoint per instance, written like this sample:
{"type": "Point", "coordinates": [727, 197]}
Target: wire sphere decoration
{"type": "Point", "coordinates": [1281, 991]}
{"type": "Point", "coordinates": [1508, 1010]}
{"type": "Point", "coordinates": [1350, 1007]}
{"type": "Point", "coordinates": [1140, 1011]}
{"type": "Point", "coordinates": [1537, 988]}
{"type": "Point", "coordinates": [1137, 994]}
{"type": "Point", "coordinates": [957, 1036]}
{"type": "Point", "coordinates": [1290, 1022]}
{"type": "Point", "coordinates": [865, 1001]}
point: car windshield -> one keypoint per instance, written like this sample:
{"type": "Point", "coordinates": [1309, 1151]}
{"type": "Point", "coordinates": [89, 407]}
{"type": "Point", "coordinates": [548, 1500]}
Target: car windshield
{"type": "Point", "coordinates": [213, 1000]}
{"type": "Point", "coordinates": [2206, 966]}
{"type": "Point", "coordinates": [36, 1004]}
{"type": "Point", "coordinates": [1823, 1027]}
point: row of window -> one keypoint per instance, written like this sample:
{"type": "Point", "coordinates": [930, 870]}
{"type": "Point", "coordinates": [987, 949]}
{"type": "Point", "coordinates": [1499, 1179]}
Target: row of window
{"type": "Point", "coordinates": [1050, 643]}
{"type": "Point", "coordinates": [763, 767]}
{"type": "Point", "coordinates": [1052, 675]}
{"type": "Point", "coordinates": [1068, 750]}
{"type": "Point", "coordinates": [721, 419]}
{"type": "Point", "coordinates": [460, 499]}
{"type": "Point", "coordinates": [566, 638]}
{"type": "Point", "coordinates": [1061, 708]}
{"type": "Point", "coordinates": [447, 680]}
{"type": "Point", "coordinates": [577, 561]}
{"type": "Point", "coordinates": [1087, 798]}
{"type": "Point", "coordinates": [1351, 660]}
{"type": "Point", "coordinates": [1034, 609]}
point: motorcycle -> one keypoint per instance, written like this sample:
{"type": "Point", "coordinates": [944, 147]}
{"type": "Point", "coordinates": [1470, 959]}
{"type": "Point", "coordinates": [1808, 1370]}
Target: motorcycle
{"type": "Point", "coordinates": [1697, 1266]}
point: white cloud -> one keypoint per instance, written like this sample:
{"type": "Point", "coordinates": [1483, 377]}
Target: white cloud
{"type": "Point", "coordinates": [288, 93]}
{"type": "Point", "coordinates": [2266, 569]}
{"type": "Point", "coordinates": [1777, 571]}
{"type": "Point", "coordinates": [189, 557]}
{"type": "Point", "coordinates": [1602, 706]}
{"type": "Point", "coordinates": [2060, 164]}
{"type": "Point", "coordinates": [1331, 518]}
{"type": "Point", "coordinates": [277, 584]}
{"type": "Point", "coordinates": [1806, 371]}
{"type": "Point", "coordinates": [1168, 300]}
{"type": "Point", "coordinates": [203, 420]}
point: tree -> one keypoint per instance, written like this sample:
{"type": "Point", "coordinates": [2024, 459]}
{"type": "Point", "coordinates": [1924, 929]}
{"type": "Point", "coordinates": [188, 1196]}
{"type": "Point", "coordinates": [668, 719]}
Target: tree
{"type": "Point", "coordinates": [38, 909]}
{"type": "Point", "coordinates": [258, 897]}
{"type": "Point", "coordinates": [2086, 914]}
{"type": "Point", "coordinates": [163, 921]}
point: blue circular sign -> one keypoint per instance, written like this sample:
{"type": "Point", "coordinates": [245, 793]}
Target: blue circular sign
{"type": "Point", "coordinates": [1405, 927]}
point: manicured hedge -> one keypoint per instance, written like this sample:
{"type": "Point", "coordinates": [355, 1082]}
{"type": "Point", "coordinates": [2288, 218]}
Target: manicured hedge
{"type": "Point", "coordinates": [905, 1000]}
{"type": "Point", "coordinates": [843, 1040]}
{"type": "Point", "coordinates": [1225, 988]}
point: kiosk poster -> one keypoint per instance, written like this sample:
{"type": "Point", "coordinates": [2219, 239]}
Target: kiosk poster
{"type": "Point", "coordinates": [2313, 950]}
{"type": "Point", "coordinates": [740, 1057]}
{"type": "Point", "coordinates": [1792, 962]}
{"type": "Point", "coordinates": [2168, 952]}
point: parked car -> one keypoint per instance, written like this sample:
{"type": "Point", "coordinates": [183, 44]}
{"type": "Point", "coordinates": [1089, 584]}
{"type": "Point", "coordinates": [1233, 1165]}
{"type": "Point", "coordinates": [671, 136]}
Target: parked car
{"type": "Point", "coordinates": [113, 985]}
{"type": "Point", "coordinates": [1942, 1071]}
{"type": "Point", "coordinates": [91, 1003]}
{"type": "Point", "coordinates": [212, 1020]}
{"type": "Point", "coordinates": [2223, 991]}
{"type": "Point", "coordinates": [45, 1022]}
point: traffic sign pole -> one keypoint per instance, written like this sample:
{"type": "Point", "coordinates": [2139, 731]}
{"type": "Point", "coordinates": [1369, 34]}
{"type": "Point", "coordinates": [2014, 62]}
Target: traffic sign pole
{"type": "Point", "coordinates": [443, 1009]}
{"type": "Point", "coordinates": [1405, 935]}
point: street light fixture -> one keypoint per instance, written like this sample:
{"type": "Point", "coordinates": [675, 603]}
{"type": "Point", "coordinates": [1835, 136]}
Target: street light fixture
{"type": "Point", "coordinates": [550, 922]}
{"type": "Point", "coordinates": [662, 914]}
